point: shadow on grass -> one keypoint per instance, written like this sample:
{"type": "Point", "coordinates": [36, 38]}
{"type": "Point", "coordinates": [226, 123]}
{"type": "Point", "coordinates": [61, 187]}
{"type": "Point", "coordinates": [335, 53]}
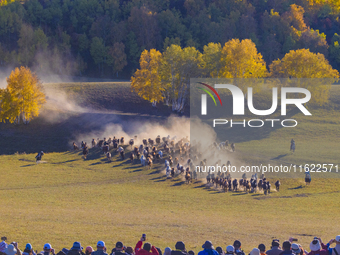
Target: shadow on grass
{"type": "Point", "coordinates": [138, 167]}
{"type": "Point", "coordinates": [256, 195]}
{"type": "Point", "coordinates": [298, 187]}
{"type": "Point", "coordinates": [280, 156]}
{"type": "Point", "coordinates": [26, 160]}
{"type": "Point", "coordinates": [157, 178]}
{"type": "Point", "coordinates": [217, 192]}
{"type": "Point", "coordinates": [239, 194]}
{"type": "Point", "coordinates": [97, 163]}
{"type": "Point", "coordinates": [94, 155]}
{"type": "Point", "coordinates": [178, 183]}
{"type": "Point", "coordinates": [28, 165]}
{"type": "Point", "coordinates": [137, 170]}
{"type": "Point", "coordinates": [68, 161]}
{"type": "Point", "coordinates": [161, 180]}
{"type": "Point", "coordinates": [124, 162]}
{"type": "Point", "coordinates": [154, 172]}
{"type": "Point", "coordinates": [201, 186]}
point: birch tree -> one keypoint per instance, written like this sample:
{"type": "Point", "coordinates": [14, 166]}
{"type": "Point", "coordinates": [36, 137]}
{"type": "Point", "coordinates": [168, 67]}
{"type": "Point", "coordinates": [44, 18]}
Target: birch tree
{"type": "Point", "coordinates": [23, 98]}
{"type": "Point", "coordinates": [178, 66]}
{"type": "Point", "coordinates": [302, 64]}
{"type": "Point", "coordinates": [146, 81]}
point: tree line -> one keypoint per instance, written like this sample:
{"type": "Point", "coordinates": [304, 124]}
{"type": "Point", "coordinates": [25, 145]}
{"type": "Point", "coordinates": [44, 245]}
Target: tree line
{"type": "Point", "coordinates": [165, 77]}
{"type": "Point", "coordinates": [107, 37]}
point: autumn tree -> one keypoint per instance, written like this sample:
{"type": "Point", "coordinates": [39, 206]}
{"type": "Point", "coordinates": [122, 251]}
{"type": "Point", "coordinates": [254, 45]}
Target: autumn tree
{"type": "Point", "coordinates": [146, 81]}
{"type": "Point", "coordinates": [305, 64]}
{"type": "Point", "coordinates": [23, 97]}
{"type": "Point", "coordinates": [212, 59]}
{"type": "Point", "coordinates": [240, 59]}
{"type": "Point", "coordinates": [302, 64]}
{"type": "Point", "coordinates": [178, 66]}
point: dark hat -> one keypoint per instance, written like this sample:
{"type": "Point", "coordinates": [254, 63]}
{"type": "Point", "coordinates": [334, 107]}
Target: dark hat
{"type": "Point", "coordinates": [262, 247]}
{"type": "Point", "coordinates": [119, 245]}
{"type": "Point", "coordinates": [180, 246]}
{"type": "Point", "coordinates": [207, 245]}
{"type": "Point", "coordinates": [276, 242]}
{"type": "Point", "coordinates": [237, 244]}
{"type": "Point", "coordinates": [191, 252]}
{"type": "Point", "coordinates": [219, 250]}
{"type": "Point", "coordinates": [286, 245]}
{"type": "Point", "coordinates": [76, 246]}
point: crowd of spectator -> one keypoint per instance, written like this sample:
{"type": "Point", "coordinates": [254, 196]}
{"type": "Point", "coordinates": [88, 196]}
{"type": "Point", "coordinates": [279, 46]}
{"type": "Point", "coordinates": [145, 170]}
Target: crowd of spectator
{"type": "Point", "coordinates": [289, 247]}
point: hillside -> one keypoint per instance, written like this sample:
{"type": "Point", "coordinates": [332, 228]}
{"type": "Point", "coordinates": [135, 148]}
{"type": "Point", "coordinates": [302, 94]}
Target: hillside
{"type": "Point", "coordinates": [75, 108]}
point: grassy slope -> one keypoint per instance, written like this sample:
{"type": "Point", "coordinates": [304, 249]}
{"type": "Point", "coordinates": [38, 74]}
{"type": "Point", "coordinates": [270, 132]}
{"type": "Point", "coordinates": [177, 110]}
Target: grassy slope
{"type": "Point", "coordinates": [68, 199]}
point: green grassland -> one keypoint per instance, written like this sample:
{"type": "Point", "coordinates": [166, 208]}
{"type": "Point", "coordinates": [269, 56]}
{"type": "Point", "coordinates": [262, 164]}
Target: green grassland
{"type": "Point", "coordinates": [69, 199]}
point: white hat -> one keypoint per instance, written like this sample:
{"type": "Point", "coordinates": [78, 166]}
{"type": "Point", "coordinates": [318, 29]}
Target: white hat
{"type": "Point", "coordinates": [296, 248]}
{"type": "Point", "coordinates": [315, 245]}
{"type": "Point", "coordinates": [10, 250]}
{"type": "Point", "coordinates": [230, 249]}
{"type": "Point", "coordinates": [255, 251]}
{"type": "Point", "coordinates": [337, 238]}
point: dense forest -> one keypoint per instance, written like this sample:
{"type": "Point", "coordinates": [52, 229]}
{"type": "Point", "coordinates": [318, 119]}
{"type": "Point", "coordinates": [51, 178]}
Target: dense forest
{"type": "Point", "coordinates": [106, 37]}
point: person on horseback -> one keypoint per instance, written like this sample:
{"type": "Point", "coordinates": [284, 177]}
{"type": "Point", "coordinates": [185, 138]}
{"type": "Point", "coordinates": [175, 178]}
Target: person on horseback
{"type": "Point", "coordinates": [187, 176]}
{"type": "Point", "coordinates": [160, 153]}
{"type": "Point", "coordinates": [277, 185]}
{"type": "Point", "coordinates": [292, 145]}
{"type": "Point", "coordinates": [308, 177]}
{"type": "Point", "coordinates": [172, 172]}
{"type": "Point", "coordinates": [264, 186]}
{"type": "Point", "coordinates": [168, 171]}
{"type": "Point", "coordinates": [208, 177]}
{"type": "Point", "coordinates": [235, 185]}
{"type": "Point", "coordinates": [39, 156]}
{"type": "Point", "coordinates": [85, 151]}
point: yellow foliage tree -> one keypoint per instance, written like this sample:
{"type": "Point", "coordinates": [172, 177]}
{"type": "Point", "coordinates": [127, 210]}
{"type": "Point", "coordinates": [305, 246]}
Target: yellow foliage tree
{"type": "Point", "coordinates": [146, 81]}
{"type": "Point", "coordinates": [178, 66]}
{"type": "Point", "coordinates": [23, 97]}
{"type": "Point", "coordinates": [212, 59]}
{"type": "Point", "coordinates": [318, 4]}
{"type": "Point", "coordinates": [304, 64]}
{"type": "Point", "coordinates": [240, 59]}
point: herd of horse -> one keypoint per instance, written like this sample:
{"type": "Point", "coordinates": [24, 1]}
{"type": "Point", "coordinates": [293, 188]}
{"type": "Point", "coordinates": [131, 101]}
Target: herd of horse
{"type": "Point", "coordinates": [173, 153]}
{"type": "Point", "coordinates": [253, 185]}
{"type": "Point", "coordinates": [147, 152]}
